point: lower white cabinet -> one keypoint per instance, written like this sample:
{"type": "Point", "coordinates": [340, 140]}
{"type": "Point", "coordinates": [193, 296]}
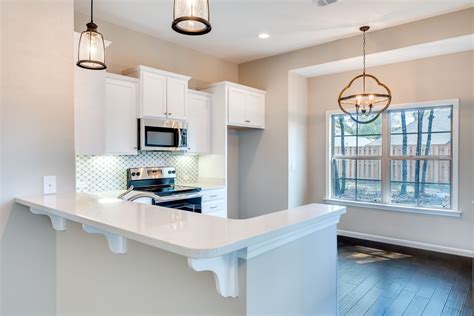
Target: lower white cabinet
{"type": "Point", "coordinates": [121, 114]}
{"type": "Point", "coordinates": [214, 202]}
{"type": "Point", "coordinates": [198, 113]}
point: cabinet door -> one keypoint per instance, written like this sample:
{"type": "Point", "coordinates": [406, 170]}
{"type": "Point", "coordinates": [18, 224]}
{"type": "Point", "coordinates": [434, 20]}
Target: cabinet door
{"type": "Point", "coordinates": [153, 95]}
{"type": "Point", "coordinates": [198, 124]}
{"type": "Point", "coordinates": [236, 106]}
{"type": "Point", "coordinates": [255, 110]}
{"type": "Point", "coordinates": [176, 92]}
{"type": "Point", "coordinates": [121, 117]}
{"type": "Point", "coordinates": [89, 111]}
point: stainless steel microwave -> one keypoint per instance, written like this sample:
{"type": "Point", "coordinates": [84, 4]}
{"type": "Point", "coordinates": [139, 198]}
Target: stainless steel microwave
{"type": "Point", "coordinates": [162, 135]}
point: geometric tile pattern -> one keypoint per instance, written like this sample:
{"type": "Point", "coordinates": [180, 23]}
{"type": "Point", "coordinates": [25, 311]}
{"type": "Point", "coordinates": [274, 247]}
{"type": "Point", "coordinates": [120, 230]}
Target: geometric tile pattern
{"type": "Point", "coordinates": [107, 173]}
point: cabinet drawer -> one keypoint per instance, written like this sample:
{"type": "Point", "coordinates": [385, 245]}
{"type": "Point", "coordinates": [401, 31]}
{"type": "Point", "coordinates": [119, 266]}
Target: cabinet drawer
{"type": "Point", "coordinates": [213, 206]}
{"type": "Point", "coordinates": [212, 195]}
{"type": "Point", "coordinates": [222, 214]}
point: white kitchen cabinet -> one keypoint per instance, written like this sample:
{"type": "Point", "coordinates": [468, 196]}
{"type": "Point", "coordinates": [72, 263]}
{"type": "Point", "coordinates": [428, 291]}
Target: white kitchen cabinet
{"type": "Point", "coordinates": [153, 95]}
{"type": "Point", "coordinates": [176, 98]}
{"type": "Point", "coordinates": [106, 121]}
{"type": "Point", "coordinates": [162, 94]}
{"type": "Point", "coordinates": [121, 114]}
{"type": "Point", "coordinates": [236, 106]}
{"type": "Point", "coordinates": [198, 110]}
{"type": "Point", "coordinates": [245, 106]}
{"type": "Point", "coordinates": [255, 109]}
{"type": "Point", "coordinates": [214, 202]}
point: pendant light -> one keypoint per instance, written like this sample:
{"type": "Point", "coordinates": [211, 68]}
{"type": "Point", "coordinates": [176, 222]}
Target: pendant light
{"type": "Point", "coordinates": [366, 106]}
{"type": "Point", "coordinates": [191, 17]}
{"type": "Point", "coordinates": [91, 51]}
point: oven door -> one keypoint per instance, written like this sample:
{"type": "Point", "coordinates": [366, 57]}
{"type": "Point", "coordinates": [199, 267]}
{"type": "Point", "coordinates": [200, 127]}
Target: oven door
{"type": "Point", "coordinates": [162, 135]}
{"type": "Point", "coordinates": [190, 204]}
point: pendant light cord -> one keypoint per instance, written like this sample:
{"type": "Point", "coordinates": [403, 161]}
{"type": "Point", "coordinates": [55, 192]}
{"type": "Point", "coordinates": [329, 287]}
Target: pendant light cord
{"type": "Point", "coordinates": [92, 11]}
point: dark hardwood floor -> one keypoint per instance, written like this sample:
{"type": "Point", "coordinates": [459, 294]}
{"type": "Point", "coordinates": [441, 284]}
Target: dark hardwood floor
{"type": "Point", "coordinates": [380, 279]}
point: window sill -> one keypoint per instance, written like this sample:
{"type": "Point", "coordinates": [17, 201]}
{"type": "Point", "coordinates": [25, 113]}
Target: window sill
{"type": "Point", "coordinates": [396, 208]}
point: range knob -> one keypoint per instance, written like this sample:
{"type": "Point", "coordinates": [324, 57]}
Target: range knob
{"type": "Point", "coordinates": [138, 174]}
{"type": "Point", "coordinates": [133, 174]}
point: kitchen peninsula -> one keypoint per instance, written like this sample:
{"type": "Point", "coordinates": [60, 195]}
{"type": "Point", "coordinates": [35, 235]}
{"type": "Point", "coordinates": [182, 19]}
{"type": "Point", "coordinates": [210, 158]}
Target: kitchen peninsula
{"type": "Point", "coordinates": [270, 278]}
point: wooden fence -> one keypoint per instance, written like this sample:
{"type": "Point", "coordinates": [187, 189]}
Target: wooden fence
{"type": "Point", "coordinates": [438, 171]}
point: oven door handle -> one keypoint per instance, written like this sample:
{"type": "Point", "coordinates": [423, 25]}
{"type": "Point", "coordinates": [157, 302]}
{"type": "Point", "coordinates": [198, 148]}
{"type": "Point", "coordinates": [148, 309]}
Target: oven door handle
{"type": "Point", "coordinates": [162, 199]}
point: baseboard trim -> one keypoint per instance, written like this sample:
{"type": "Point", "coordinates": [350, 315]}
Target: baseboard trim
{"type": "Point", "coordinates": [407, 243]}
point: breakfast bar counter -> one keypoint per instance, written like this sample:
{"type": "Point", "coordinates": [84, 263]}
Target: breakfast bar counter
{"type": "Point", "coordinates": [209, 243]}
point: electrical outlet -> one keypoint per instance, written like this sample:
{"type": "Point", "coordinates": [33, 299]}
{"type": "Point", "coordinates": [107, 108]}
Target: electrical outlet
{"type": "Point", "coordinates": [49, 184]}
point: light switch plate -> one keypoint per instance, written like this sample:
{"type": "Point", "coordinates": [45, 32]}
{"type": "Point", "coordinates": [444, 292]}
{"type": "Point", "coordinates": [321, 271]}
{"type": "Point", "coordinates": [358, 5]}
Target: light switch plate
{"type": "Point", "coordinates": [49, 184]}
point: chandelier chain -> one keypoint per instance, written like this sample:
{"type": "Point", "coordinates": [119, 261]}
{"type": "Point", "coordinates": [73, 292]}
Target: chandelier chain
{"type": "Point", "coordinates": [363, 72]}
{"type": "Point", "coordinates": [364, 50]}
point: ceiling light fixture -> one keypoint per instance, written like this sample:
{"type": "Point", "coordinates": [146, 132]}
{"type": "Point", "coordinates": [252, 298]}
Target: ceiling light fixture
{"type": "Point", "coordinates": [263, 35]}
{"type": "Point", "coordinates": [366, 105]}
{"type": "Point", "coordinates": [91, 50]}
{"type": "Point", "coordinates": [191, 17]}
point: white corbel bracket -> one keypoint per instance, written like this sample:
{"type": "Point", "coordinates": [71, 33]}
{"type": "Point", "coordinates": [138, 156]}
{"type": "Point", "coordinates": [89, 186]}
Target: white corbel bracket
{"type": "Point", "coordinates": [225, 270]}
{"type": "Point", "coordinates": [117, 243]}
{"type": "Point", "coordinates": [58, 222]}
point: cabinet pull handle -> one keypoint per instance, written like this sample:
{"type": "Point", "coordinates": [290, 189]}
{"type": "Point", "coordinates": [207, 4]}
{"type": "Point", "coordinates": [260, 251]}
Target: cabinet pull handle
{"type": "Point", "coordinates": [247, 121]}
{"type": "Point", "coordinates": [213, 207]}
{"type": "Point", "coordinates": [169, 113]}
{"type": "Point", "coordinates": [213, 196]}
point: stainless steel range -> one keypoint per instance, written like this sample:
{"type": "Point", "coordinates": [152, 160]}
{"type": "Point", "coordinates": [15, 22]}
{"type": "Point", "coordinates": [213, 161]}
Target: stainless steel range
{"type": "Point", "coordinates": [156, 186]}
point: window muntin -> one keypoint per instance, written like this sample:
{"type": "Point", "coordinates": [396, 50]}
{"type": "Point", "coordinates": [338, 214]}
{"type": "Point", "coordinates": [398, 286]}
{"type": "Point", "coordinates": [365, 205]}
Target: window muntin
{"type": "Point", "coordinates": [356, 166]}
{"type": "Point", "coordinates": [416, 168]}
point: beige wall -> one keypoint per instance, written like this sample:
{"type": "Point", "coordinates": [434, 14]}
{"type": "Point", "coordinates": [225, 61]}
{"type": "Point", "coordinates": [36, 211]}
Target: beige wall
{"type": "Point", "coordinates": [130, 48]}
{"type": "Point", "coordinates": [430, 79]}
{"type": "Point", "coordinates": [297, 139]}
{"type": "Point", "coordinates": [37, 140]}
{"type": "Point", "coordinates": [257, 151]}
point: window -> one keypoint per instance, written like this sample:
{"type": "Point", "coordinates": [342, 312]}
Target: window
{"type": "Point", "coordinates": [406, 158]}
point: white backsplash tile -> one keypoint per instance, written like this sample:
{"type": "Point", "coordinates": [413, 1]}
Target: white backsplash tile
{"type": "Point", "coordinates": [107, 173]}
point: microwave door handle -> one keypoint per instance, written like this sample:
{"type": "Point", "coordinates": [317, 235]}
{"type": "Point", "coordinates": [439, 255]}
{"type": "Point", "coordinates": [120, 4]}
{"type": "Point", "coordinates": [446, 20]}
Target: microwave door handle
{"type": "Point", "coordinates": [179, 137]}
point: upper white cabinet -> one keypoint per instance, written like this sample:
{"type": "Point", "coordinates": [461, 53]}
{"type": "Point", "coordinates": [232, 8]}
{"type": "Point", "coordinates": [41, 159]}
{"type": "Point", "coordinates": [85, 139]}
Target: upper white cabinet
{"type": "Point", "coordinates": [176, 97]}
{"type": "Point", "coordinates": [199, 136]}
{"type": "Point", "coordinates": [153, 95]}
{"type": "Point", "coordinates": [236, 105]}
{"type": "Point", "coordinates": [121, 114]}
{"type": "Point", "coordinates": [162, 94]}
{"type": "Point", "coordinates": [105, 120]}
{"type": "Point", "coordinates": [245, 106]}
{"type": "Point", "coordinates": [255, 109]}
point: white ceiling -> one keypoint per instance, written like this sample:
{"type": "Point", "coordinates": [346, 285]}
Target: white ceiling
{"type": "Point", "coordinates": [292, 24]}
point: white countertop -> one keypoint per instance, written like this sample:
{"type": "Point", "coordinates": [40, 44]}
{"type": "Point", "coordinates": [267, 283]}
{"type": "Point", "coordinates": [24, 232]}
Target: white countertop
{"type": "Point", "coordinates": [188, 234]}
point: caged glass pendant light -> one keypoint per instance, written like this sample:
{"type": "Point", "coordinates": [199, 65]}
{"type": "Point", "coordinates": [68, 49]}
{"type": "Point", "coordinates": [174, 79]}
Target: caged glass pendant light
{"type": "Point", "coordinates": [373, 97]}
{"type": "Point", "coordinates": [191, 17]}
{"type": "Point", "coordinates": [91, 51]}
